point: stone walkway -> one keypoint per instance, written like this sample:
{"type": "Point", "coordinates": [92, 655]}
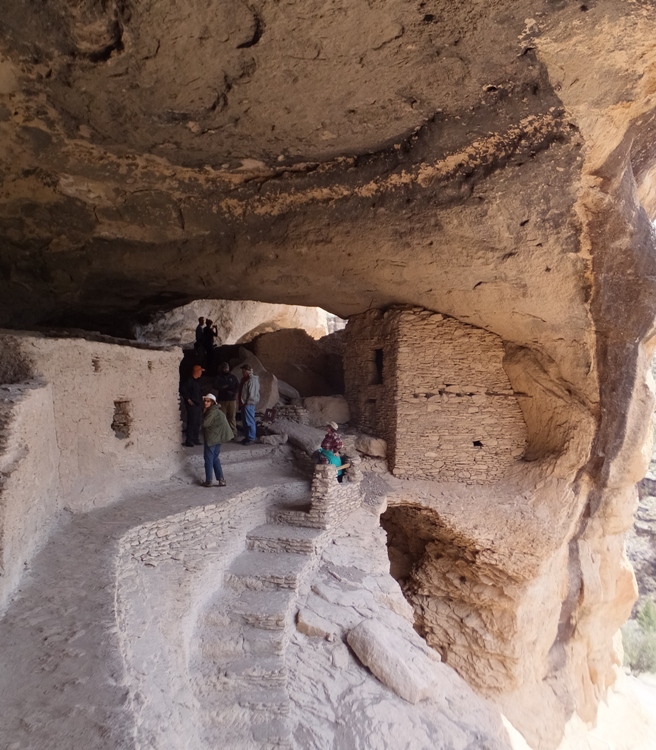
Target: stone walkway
{"type": "Point", "coordinates": [245, 632]}
{"type": "Point", "coordinates": [66, 636]}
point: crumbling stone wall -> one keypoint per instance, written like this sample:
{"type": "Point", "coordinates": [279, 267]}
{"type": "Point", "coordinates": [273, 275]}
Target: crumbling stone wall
{"type": "Point", "coordinates": [58, 445]}
{"type": "Point", "coordinates": [436, 390]}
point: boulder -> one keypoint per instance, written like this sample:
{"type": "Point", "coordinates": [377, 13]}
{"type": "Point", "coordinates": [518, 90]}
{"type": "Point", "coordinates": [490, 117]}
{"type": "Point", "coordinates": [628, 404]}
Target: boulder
{"type": "Point", "coordinates": [399, 659]}
{"type": "Point", "coordinates": [288, 391]}
{"type": "Point", "coordinates": [371, 446]}
{"type": "Point", "coordinates": [323, 409]}
{"type": "Point", "coordinates": [299, 360]}
{"type": "Point", "coordinates": [274, 439]}
{"type": "Point", "coordinates": [301, 435]}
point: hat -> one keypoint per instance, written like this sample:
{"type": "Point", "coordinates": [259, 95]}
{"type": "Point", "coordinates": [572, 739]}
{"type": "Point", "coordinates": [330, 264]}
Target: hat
{"type": "Point", "coordinates": [246, 366]}
{"type": "Point", "coordinates": [210, 396]}
{"type": "Point", "coordinates": [334, 425]}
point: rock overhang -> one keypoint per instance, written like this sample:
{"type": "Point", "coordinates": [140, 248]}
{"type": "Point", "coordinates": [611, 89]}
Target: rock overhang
{"type": "Point", "coordinates": [475, 177]}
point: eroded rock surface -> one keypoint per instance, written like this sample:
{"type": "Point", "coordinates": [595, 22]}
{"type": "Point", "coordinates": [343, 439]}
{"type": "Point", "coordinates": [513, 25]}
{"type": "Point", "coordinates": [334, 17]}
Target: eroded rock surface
{"type": "Point", "coordinates": [491, 161]}
{"type": "Point", "coordinates": [238, 322]}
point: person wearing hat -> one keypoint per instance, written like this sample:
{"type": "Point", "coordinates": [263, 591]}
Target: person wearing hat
{"type": "Point", "coordinates": [249, 395]}
{"type": "Point", "coordinates": [332, 441]}
{"type": "Point", "coordinates": [192, 395]}
{"type": "Point", "coordinates": [331, 448]}
{"type": "Point", "coordinates": [216, 431]}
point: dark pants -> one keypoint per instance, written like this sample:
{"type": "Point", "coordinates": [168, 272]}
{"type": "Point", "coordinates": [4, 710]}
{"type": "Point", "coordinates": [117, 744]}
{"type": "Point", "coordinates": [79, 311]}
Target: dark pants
{"type": "Point", "coordinates": [248, 420]}
{"type": "Point", "coordinates": [194, 417]}
{"type": "Point", "coordinates": [212, 461]}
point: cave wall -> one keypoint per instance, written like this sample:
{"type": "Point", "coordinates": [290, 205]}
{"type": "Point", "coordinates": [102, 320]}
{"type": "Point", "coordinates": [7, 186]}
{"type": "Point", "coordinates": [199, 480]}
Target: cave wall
{"type": "Point", "coordinates": [293, 356]}
{"type": "Point", "coordinates": [238, 321]}
{"type": "Point", "coordinates": [491, 160]}
{"type": "Point", "coordinates": [64, 436]}
{"type": "Point", "coordinates": [436, 390]}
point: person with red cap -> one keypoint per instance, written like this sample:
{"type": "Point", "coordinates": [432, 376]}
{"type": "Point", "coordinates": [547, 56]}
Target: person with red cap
{"type": "Point", "coordinates": [192, 395]}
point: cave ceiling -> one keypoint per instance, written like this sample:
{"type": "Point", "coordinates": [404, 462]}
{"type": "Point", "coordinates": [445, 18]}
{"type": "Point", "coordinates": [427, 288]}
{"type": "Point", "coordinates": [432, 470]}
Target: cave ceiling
{"type": "Point", "coordinates": [475, 158]}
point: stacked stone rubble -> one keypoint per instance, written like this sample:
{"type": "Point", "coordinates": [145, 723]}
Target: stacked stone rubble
{"type": "Point", "coordinates": [295, 413]}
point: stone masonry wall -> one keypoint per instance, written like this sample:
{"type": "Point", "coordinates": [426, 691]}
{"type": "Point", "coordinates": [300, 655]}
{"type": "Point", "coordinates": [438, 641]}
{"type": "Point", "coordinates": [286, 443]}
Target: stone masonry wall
{"type": "Point", "coordinates": [61, 444]}
{"type": "Point", "coordinates": [445, 405]}
{"type": "Point", "coordinates": [370, 388]}
{"type": "Point", "coordinates": [331, 501]}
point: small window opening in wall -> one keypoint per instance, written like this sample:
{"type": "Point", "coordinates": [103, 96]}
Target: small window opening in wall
{"type": "Point", "coordinates": [122, 422]}
{"type": "Point", "coordinates": [478, 444]}
{"type": "Point", "coordinates": [377, 375]}
{"type": "Point", "coordinates": [96, 364]}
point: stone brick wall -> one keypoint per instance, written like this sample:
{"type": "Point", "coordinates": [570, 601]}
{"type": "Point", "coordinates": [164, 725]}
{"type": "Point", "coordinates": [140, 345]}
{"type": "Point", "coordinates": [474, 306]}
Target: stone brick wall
{"type": "Point", "coordinates": [437, 392]}
{"type": "Point", "coordinates": [370, 388]}
{"type": "Point", "coordinates": [331, 501]}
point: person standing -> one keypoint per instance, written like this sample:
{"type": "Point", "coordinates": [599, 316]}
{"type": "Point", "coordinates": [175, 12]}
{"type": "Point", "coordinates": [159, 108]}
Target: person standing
{"type": "Point", "coordinates": [210, 332]}
{"type": "Point", "coordinates": [227, 387]}
{"type": "Point", "coordinates": [192, 393]}
{"type": "Point", "coordinates": [216, 431]}
{"type": "Point", "coordinates": [199, 343]}
{"type": "Point", "coordinates": [249, 395]}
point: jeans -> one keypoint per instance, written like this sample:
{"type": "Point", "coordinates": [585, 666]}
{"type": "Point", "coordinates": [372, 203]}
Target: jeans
{"type": "Point", "coordinates": [211, 456]}
{"type": "Point", "coordinates": [248, 418]}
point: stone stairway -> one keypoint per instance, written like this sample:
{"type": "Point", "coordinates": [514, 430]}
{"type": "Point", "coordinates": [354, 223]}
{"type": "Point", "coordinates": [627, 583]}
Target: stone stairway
{"type": "Point", "coordinates": [245, 630]}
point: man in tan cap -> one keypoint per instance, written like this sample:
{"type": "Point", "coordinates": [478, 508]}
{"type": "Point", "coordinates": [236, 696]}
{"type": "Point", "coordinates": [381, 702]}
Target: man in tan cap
{"type": "Point", "coordinates": [192, 395]}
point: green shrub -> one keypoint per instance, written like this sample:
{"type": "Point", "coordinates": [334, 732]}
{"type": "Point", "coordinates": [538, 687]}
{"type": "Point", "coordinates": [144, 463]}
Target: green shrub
{"type": "Point", "coordinates": [647, 616]}
{"type": "Point", "coordinates": [639, 638]}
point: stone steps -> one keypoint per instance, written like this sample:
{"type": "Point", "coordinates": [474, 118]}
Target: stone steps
{"type": "Point", "coordinates": [274, 701]}
{"type": "Point", "coordinates": [262, 671]}
{"type": "Point", "coordinates": [260, 642]}
{"type": "Point", "coordinates": [269, 610]}
{"type": "Point", "coordinates": [274, 733]}
{"type": "Point", "coordinates": [259, 600]}
{"type": "Point", "coordinates": [262, 570]}
{"type": "Point", "coordinates": [278, 538]}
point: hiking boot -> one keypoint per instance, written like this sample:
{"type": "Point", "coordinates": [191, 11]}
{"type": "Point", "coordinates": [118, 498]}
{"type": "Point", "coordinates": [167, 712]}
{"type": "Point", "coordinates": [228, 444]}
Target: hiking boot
{"type": "Point", "coordinates": [188, 445]}
{"type": "Point", "coordinates": [247, 442]}
{"type": "Point", "coordinates": [222, 482]}
{"type": "Point", "coordinates": [206, 484]}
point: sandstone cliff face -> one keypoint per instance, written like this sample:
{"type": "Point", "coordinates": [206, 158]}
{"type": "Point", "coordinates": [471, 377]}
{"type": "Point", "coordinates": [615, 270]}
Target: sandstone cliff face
{"type": "Point", "coordinates": [492, 161]}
